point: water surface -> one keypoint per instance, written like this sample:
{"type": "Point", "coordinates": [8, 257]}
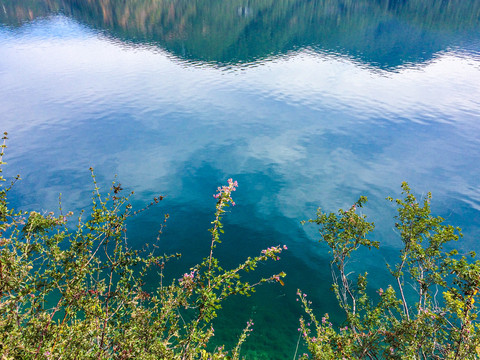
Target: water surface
{"type": "Point", "coordinates": [305, 103]}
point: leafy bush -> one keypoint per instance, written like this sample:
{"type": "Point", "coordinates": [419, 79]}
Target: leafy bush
{"type": "Point", "coordinates": [78, 292]}
{"type": "Point", "coordinates": [438, 319]}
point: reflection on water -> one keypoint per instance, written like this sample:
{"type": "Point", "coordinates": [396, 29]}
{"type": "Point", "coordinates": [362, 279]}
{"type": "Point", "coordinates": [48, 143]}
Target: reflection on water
{"type": "Point", "coordinates": [310, 103]}
{"type": "Point", "coordinates": [383, 33]}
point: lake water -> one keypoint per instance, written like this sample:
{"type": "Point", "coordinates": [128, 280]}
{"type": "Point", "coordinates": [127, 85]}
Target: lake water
{"type": "Point", "coordinates": [305, 103]}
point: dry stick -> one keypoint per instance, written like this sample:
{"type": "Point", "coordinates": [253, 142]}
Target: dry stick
{"type": "Point", "coordinates": [404, 302]}
{"type": "Point", "coordinates": [347, 288]}
{"type": "Point", "coordinates": [335, 280]}
{"type": "Point", "coordinates": [435, 297]}
{"type": "Point", "coordinates": [421, 292]}
{"type": "Point", "coordinates": [296, 349]}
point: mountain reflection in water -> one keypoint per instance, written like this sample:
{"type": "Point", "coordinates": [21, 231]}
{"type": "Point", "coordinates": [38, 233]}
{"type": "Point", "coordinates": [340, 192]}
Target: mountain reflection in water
{"type": "Point", "coordinates": [305, 102]}
{"type": "Point", "coordinates": [381, 33]}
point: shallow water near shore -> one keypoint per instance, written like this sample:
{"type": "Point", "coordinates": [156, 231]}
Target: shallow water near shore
{"type": "Point", "coordinates": [305, 103]}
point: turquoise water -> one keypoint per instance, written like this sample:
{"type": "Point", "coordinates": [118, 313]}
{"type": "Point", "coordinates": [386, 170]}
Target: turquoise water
{"type": "Point", "coordinates": [304, 103]}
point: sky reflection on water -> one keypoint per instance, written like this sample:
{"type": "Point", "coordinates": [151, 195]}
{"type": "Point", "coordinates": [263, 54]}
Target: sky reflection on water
{"type": "Point", "coordinates": [298, 130]}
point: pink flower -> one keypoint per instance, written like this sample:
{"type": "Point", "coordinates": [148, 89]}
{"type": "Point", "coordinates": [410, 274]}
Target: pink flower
{"type": "Point", "coordinates": [224, 192]}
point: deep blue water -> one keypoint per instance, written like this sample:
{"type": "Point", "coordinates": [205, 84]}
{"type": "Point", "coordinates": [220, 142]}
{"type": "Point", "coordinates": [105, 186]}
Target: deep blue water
{"type": "Point", "coordinates": [304, 103]}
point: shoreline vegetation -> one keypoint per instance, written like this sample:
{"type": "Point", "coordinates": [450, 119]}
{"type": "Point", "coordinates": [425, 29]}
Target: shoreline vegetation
{"type": "Point", "coordinates": [72, 287]}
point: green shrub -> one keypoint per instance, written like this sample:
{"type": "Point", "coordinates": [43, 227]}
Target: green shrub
{"type": "Point", "coordinates": [437, 320]}
{"type": "Point", "coordinates": [76, 292]}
